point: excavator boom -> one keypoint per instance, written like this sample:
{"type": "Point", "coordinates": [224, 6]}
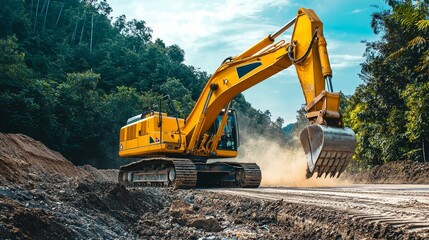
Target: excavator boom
{"type": "Point", "coordinates": [211, 130]}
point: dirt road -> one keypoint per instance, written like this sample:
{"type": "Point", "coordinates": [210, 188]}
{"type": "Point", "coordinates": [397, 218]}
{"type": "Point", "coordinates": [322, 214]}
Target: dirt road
{"type": "Point", "coordinates": [404, 206]}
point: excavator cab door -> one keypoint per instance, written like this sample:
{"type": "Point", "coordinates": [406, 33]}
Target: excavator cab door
{"type": "Point", "coordinates": [230, 134]}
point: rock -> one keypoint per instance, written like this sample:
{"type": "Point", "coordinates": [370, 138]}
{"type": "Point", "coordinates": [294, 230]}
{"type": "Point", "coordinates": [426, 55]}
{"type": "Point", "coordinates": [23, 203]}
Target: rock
{"type": "Point", "coordinates": [195, 207]}
{"type": "Point", "coordinates": [179, 208]}
{"type": "Point", "coordinates": [189, 198]}
{"type": "Point", "coordinates": [238, 221]}
{"type": "Point", "coordinates": [208, 224]}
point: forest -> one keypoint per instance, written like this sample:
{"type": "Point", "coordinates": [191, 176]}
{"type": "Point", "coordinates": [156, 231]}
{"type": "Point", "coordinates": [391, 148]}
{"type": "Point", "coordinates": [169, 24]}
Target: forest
{"type": "Point", "coordinates": [71, 75]}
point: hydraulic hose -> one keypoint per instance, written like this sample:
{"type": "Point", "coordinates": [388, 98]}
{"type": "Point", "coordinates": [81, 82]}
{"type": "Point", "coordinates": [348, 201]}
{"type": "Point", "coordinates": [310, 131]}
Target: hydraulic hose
{"type": "Point", "coordinates": [291, 49]}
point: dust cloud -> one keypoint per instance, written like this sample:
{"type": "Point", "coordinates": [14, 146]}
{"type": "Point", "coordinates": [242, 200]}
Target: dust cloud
{"type": "Point", "coordinates": [282, 167]}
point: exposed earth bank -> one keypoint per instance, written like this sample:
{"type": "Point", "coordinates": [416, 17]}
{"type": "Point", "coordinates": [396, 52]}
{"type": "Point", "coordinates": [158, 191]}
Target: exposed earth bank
{"type": "Point", "coordinates": [397, 172]}
{"type": "Point", "coordinates": [44, 196]}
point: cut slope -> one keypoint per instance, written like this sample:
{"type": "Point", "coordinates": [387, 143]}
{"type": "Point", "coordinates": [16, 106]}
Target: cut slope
{"type": "Point", "coordinates": [23, 158]}
{"type": "Point", "coordinates": [397, 172]}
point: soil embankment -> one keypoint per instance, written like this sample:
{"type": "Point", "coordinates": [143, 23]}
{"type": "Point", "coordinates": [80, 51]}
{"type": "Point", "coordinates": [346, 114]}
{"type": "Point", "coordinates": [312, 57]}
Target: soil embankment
{"type": "Point", "coordinates": [397, 172]}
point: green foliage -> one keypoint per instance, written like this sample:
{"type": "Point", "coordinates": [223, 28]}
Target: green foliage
{"type": "Point", "coordinates": [12, 18]}
{"type": "Point", "coordinates": [176, 53]}
{"type": "Point", "coordinates": [71, 77]}
{"type": "Point", "coordinates": [388, 111]}
{"type": "Point", "coordinates": [417, 99]}
{"type": "Point", "coordinates": [80, 115]}
{"type": "Point", "coordinates": [182, 97]}
{"type": "Point", "coordinates": [14, 74]}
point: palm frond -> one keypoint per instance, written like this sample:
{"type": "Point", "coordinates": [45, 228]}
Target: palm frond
{"type": "Point", "coordinates": [395, 54]}
{"type": "Point", "coordinates": [423, 24]}
{"type": "Point", "coordinates": [419, 40]}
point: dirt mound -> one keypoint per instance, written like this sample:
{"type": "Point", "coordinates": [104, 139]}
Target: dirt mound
{"type": "Point", "coordinates": [102, 175]}
{"type": "Point", "coordinates": [398, 172]}
{"type": "Point", "coordinates": [24, 159]}
{"type": "Point", "coordinates": [116, 198]}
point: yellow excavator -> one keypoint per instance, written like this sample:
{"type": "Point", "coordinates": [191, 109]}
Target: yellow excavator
{"type": "Point", "coordinates": [174, 151]}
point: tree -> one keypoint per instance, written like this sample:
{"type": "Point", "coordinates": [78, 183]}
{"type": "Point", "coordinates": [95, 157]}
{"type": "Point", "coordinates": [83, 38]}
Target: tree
{"type": "Point", "coordinates": [382, 110]}
{"type": "Point", "coordinates": [417, 126]}
{"type": "Point", "coordinates": [14, 73]}
{"type": "Point", "coordinates": [12, 19]}
{"type": "Point", "coordinates": [14, 80]}
{"type": "Point", "coordinates": [80, 116]}
{"type": "Point", "coordinates": [256, 123]}
{"type": "Point", "coordinates": [176, 53]}
{"type": "Point", "coordinates": [26, 103]}
{"type": "Point", "coordinates": [293, 131]}
{"type": "Point", "coordinates": [180, 95]}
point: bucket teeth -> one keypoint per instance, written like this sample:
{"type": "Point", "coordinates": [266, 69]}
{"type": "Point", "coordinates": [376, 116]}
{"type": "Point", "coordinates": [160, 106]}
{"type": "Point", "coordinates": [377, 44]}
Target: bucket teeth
{"type": "Point", "coordinates": [328, 149]}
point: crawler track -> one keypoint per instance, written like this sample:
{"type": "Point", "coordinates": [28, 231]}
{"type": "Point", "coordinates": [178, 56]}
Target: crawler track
{"type": "Point", "coordinates": [403, 206]}
{"type": "Point", "coordinates": [183, 173]}
{"type": "Point", "coordinates": [253, 175]}
{"type": "Point", "coordinates": [186, 174]}
{"type": "Point", "coordinates": [158, 172]}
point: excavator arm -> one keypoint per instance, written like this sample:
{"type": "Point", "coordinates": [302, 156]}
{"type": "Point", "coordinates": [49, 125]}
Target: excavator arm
{"type": "Point", "coordinates": [328, 145]}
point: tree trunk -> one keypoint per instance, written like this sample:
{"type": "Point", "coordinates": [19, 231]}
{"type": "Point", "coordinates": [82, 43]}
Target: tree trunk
{"type": "Point", "coordinates": [74, 33]}
{"type": "Point", "coordinates": [43, 7]}
{"type": "Point", "coordinates": [81, 31]}
{"type": "Point", "coordinates": [92, 32]}
{"type": "Point", "coordinates": [59, 15]}
{"type": "Point", "coordinates": [424, 151]}
{"type": "Point", "coordinates": [31, 8]}
{"type": "Point", "coordinates": [46, 15]}
{"type": "Point", "coordinates": [35, 19]}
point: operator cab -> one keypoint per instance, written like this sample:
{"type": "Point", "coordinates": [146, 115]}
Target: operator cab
{"type": "Point", "coordinates": [230, 134]}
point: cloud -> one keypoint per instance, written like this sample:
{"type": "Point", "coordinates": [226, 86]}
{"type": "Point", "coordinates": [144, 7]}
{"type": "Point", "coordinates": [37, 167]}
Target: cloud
{"type": "Point", "coordinates": [359, 10]}
{"type": "Point", "coordinates": [232, 26]}
{"type": "Point", "coordinates": [345, 61]}
{"type": "Point", "coordinates": [345, 54]}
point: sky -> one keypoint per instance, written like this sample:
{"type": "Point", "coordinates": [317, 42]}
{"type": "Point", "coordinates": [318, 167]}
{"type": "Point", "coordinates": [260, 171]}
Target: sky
{"type": "Point", "coordinates": [211, 30]}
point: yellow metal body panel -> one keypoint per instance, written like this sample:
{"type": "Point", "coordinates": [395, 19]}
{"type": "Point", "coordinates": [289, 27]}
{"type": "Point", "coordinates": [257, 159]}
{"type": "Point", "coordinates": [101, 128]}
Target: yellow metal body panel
{"type": "Point", "coordinates": [145, 137]}
{"type": "Point", "coordinates": [332, 102]}
{"type": "Point", "coordinates": [226, 154]}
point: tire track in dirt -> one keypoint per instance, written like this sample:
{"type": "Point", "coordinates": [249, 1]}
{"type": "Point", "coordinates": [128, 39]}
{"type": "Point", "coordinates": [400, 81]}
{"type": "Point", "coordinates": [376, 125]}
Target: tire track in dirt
{"type": "Point", "coordinates": [403, 206]}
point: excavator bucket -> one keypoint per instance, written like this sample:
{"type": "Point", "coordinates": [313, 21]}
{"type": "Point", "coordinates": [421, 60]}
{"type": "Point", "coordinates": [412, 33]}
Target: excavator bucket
{"type": "Point", "coordinates": [328, 149]}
